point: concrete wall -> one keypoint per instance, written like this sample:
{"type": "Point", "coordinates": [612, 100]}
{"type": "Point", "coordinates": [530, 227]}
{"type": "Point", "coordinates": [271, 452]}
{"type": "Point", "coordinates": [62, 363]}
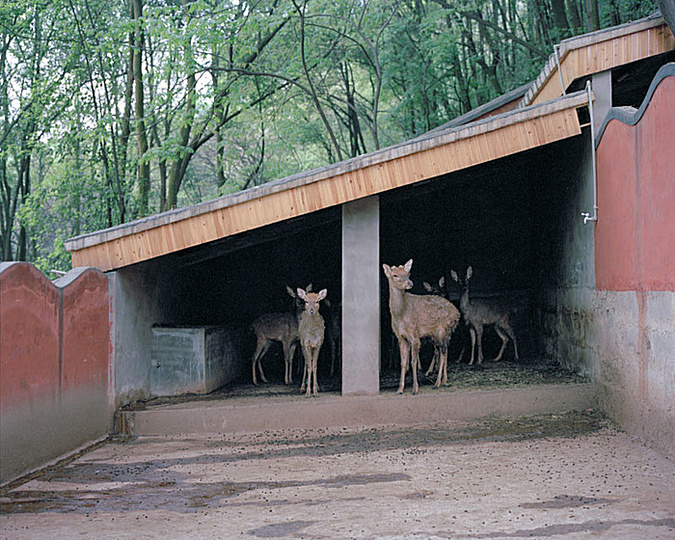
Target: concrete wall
{"type": "Point", "coordinates": [635, 265]}
{"type": "Point", "coordinates": [54, 358]}
{"type": "Point", "coordinates": [138, 295]}
{"type": "Point", "coordinates": [361, 297]}
{"type": "Point", "coordinates": [566, 283]}
{"type": "Point", "coordinates": [146, 296]}
{"type": "Point", "coordinates": [193, 360]}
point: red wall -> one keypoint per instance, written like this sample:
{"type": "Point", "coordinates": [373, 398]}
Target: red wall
{"type": "Point", "coordinates": [635, 232]}
{"type": "Point", "coordinates": [54, 365]}
{"type": "Point", "coordinates": [86, 332]}
{"type": "Point", "coordinates": [29, 336]}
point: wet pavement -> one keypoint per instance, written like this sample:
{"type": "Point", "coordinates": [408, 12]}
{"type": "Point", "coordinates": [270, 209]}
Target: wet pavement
{"type": "Point", "coordinates": [567, 476]}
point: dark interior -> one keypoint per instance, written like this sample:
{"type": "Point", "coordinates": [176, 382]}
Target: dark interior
{"type": "Point", "coordinates": [506, 219]}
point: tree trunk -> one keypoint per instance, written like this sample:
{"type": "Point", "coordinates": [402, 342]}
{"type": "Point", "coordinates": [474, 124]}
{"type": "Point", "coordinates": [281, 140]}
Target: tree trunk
{"type": "Point", "coordinates": [575, 18]}
{"type": "Point", "coordinates": [560, 18]}
{"type": "Point", "coordinates": [593, 15]}
{"type": "Point", "coordinates": [143, 164]}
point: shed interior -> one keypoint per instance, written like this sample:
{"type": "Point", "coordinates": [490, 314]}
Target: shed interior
{"type": "Point", "coordinates": [516, 221]}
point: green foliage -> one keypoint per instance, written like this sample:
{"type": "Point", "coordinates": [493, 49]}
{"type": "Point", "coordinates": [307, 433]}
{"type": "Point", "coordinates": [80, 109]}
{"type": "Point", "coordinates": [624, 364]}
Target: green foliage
{"type": "Point", "coordinates": [236, 94]}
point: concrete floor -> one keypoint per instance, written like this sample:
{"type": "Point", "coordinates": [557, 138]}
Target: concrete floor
{"type": "Point", "coordinates": [569, 475]}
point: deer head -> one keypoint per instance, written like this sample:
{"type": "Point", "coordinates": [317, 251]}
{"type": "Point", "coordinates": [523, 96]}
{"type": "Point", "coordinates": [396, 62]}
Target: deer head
{"type": "Point", "coordinates": [399, 276]}
{"type": "Point", "coordinates": [312, 299]}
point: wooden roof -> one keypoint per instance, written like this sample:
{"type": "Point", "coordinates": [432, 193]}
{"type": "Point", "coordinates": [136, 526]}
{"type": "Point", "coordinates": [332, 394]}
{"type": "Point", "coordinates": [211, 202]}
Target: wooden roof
{"type": "Point", "coordinates": [400, 165]}
{"type": "Point", "coordinates": [543, 117]}
{"type": "Point", "coordinates": [600, 51]}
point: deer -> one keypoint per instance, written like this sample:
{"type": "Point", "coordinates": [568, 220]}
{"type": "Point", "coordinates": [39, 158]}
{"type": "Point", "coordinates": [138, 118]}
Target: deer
{"type": "Point", "coordinates": [439, 289]}
{"type": "Point", "coordinates": [271, 327]}
{"type": "Point", "coordinates": [481, 313]}
{"type": "Point", "coordinates": [416, 316]}
{"type": "Point", "coordinates": [333, 333]}
{"type": "Point", "coordinates": [311, 330]}
{"type": "Point", "coordinates": [282, 327]}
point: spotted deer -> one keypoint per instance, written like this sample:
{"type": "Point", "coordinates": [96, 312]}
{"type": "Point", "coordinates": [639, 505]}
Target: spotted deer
{"type": "Point", "coordinates": [481, 313]}
{"type": "Point", "coordinates": [416, 316]}
{"type": "Point", "coordinates": [311, 330]}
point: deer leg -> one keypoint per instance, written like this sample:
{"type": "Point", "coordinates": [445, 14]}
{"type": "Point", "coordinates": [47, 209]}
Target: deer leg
{"type": "Point", "coordinates": [315, 361]}
{"type": "Point", "coordinates": [479, 344]}
{"type": "Point", "coordinates": [504, 339]}
{"type": "Point", "coordinates": [307, 383]}
{"type": "Point", "coordinates": [442, 377]}
{"type": "Point", "coordinates": [415, 360]}
{"type": "Point", "coordinates": [434, 361]}
{"type": "Point", "coordinates": [307, 373]}
{"type": "Point", "coordinates": [290, 355]}
{"type": "Point", "coordinates": [512, 335]}
{"type": "Point", "coordinates": [404, 348]}
{"type": "Point", "coordinates": [472, 333]}
{"type": "Point", "coordinates": [260, 350]}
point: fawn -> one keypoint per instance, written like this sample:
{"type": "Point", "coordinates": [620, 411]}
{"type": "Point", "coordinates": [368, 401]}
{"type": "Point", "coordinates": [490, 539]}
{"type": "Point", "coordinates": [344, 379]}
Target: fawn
{"type": "Point", "coordinates": [481, 313]}
{"type": "Point", "coordinates": [311, 329]}
{"type": "Point", "coordinates": [416, 316]}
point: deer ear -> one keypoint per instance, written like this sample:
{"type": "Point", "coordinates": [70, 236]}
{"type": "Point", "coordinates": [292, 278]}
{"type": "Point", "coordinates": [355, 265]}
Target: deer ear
{"type": "Point", "coordinates": [407, 266]}
{"type": "Point", "coordinates": [469, 272]}
{"type": "Point", "coordinates": [323, 293]}
{"type": "Point", "coordinates": [454, 276]}
{"type": "Point", "coordinates": [387, 269]}
{"type": "Point", "coordinates": [301, 294]}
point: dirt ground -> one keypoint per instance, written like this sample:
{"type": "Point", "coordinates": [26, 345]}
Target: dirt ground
{"type": "Point", "coordinates": [556, 476]}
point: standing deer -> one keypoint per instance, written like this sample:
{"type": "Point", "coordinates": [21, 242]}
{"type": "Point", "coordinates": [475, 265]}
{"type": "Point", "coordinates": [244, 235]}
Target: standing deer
{"type": "Point", "coordinates": [311, 330]}
{"type": "Point", "coordinates": [416, 316]}
{"type": "Point", "coordinates": [439, 289]}
{"type": "Point", "coordinates": [271, 327]}
{"type": "Point", "coordinates": [481, 313]}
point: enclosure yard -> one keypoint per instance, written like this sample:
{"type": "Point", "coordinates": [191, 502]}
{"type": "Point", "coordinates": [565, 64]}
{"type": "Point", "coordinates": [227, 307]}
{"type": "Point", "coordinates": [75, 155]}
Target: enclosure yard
{"type": "Point", "coordinates": [552, 476]}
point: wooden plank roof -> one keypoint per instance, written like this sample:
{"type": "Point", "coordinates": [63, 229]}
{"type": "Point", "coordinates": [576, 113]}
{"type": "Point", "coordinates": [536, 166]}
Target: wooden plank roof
{"type": "Point", "coordinates": [599, 51]}
{"type": "Point", "coordinates": [543, 117]}
{"type": "Point", "coordinates": [400, 165]}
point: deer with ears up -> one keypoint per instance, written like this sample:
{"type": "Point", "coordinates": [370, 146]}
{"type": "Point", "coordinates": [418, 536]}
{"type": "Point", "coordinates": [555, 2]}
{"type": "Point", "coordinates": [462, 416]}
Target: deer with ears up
{"type": "Point", "coordinates": [311, 329]}
{"type": "Point", "coordinates": [481, 313]}
{"type": "Point", "coordinates": [416, 316]}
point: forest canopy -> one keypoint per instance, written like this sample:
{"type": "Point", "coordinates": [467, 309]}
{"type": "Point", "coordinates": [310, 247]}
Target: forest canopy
{"type": "Point", "coordinates": [111, 111]}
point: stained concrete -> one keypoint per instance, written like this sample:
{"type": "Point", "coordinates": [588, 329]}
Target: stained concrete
{"type": "Point", "coordinates": [361, 297]}
{"type": "Point", "coordinates": [555, 476]}
{"type": "Point", "coordinates": [250, 414]}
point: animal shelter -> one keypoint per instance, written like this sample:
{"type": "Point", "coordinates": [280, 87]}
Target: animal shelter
{"type": "Point", "coordinates": [557, 198]}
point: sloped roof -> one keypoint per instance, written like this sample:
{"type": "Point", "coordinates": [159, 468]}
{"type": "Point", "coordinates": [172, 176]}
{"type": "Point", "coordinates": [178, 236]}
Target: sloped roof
{"type": "Point", "coordinates": [400, 165]}
{"type": "Point", "coordinates": [599, 51]}
{"type": "Point", "coordinates": [451, 147]}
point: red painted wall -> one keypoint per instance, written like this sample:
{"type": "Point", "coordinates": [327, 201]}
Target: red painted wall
{"type": "Point", "coordinates": [29, 336]}
{"type": "Point", "coordinates": [54, 365]}
{"type": "Point", "coordinates": [86, 332]}
{"type": "Point", "coordinates": [635, 232]}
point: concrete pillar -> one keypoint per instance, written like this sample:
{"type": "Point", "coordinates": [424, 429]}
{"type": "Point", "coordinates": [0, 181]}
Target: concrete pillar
{"type": "Point", "coordinates": [601, 83]}
{"type": "Point", "coordinates": [361, 297]}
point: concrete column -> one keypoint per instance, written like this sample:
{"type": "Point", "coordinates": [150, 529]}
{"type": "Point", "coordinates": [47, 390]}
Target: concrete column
{"type": "Point", "coordinates": [601, 84]}
{"type": "Point", "coordinates": [361, 297]}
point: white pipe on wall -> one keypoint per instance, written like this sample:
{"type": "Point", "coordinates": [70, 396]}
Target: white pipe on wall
{"type": "Point", "coordinates": [587, 215]}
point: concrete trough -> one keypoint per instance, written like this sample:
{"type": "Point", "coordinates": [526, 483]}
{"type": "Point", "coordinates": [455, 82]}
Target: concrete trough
{"type": "Point", "coordinates": [253, 414]}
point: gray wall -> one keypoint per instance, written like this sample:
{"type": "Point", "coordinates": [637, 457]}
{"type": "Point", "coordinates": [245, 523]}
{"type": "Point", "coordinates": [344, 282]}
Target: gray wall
{"type": "Point", "coordinates": [361, 297]}
{"type": "Point", "coordinates": [565, 311]}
